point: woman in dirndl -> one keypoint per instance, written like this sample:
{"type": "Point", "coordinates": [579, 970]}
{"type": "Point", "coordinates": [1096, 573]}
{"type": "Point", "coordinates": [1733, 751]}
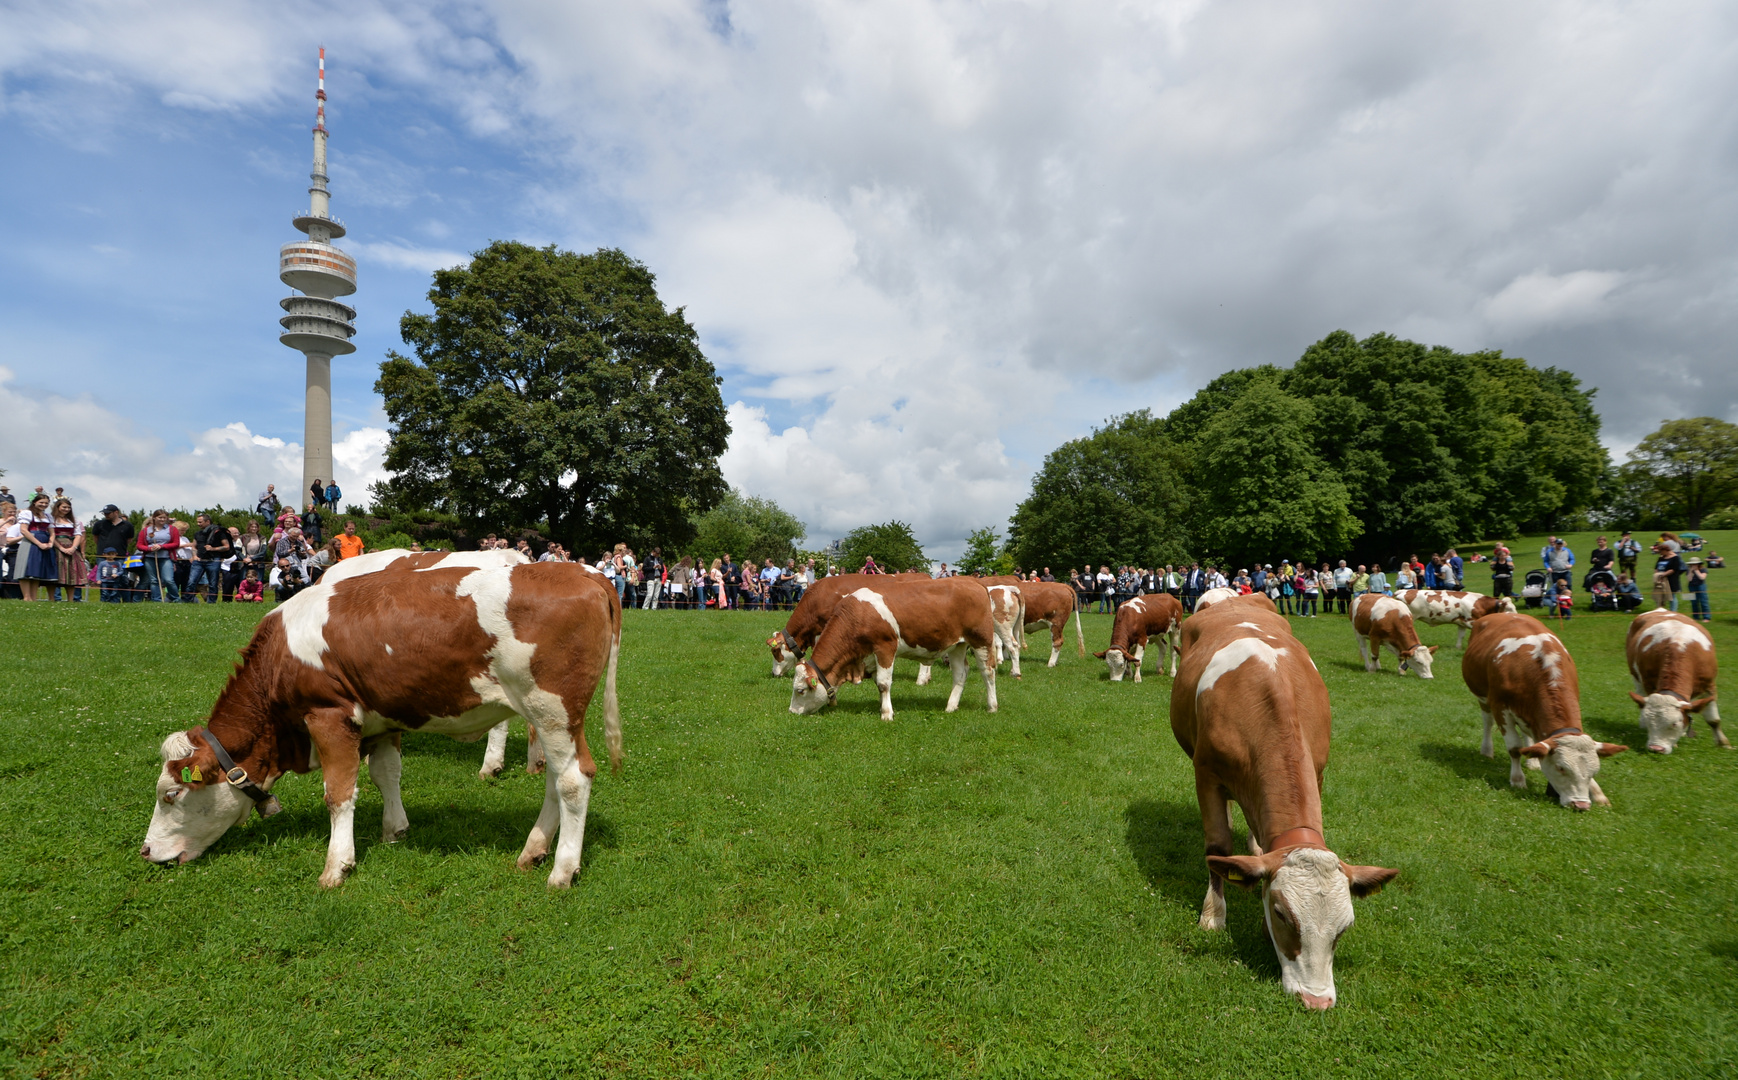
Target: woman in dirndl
{"type": "Point", "coordinates": [38, 545]}
{"type": "Point", "coordinates": [74, 572]}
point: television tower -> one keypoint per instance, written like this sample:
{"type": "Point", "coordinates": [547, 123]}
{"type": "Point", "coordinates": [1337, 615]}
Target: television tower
{"type": "Point", "coordinates": [315, 324]}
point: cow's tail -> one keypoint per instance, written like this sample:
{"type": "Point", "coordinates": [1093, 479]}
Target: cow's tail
{"type": "Point", "coordinates": [612, 709]}
{"type": "Point", "coordinates": [1079, 634]}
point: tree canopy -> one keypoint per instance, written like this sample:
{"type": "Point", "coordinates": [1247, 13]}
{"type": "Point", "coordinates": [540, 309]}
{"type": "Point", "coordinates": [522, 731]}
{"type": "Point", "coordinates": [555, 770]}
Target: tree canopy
{"type": "Point", "coordinates": [556, 388]}
{"type": "Point", "coordinates": [892, 545]}
{"type": "Point", "coordinates": [748, 527]}
{"type": "Point", "coordinates": [1682, 473]}
{"type": "Point", "coordinates": [985, 554]}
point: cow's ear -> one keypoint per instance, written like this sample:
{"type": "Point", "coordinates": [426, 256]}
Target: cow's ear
{"type": "Point", "coordinates": [1607, 749]}
{"type": "Point", "coordinates": [1248, 871]}
{"type": "Point", "coordinates": [186, 771]}
{"type": "Point", "coordinates": [1699, 704]}
{"type": "Point", "coordinates": [1538, 749]}
{"type": "Point", "coordinates": [1367, 879]}
{"type": "Point", "coordinates": [1637, 698]}
{"type": "Point", "coordinates": [1433, 649]}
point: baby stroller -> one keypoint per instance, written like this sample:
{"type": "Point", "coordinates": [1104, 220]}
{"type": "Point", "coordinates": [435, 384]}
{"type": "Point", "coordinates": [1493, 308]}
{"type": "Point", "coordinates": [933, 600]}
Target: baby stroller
{"type": "Point", "coordinates": [1603, 585]}
{"type": "Point", "coordinates": [1533, 592]}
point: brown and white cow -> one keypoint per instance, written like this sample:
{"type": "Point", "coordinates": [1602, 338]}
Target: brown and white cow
{"type": "Point", "coordinates": [1526, 685]}
{"type": "Point", "coordinates": [929, 620]}
{"type": "Point", "coordinates": [447, 645]}
{"type": "Point", "coordinates": [1049, 604]}
{"type": "Point", "coordinates": [1251, 711]}
{"type": "Point", "coordinates": [1435, 607]}
{"type": "Point", "coordinates": [810, 616]}
{"type": "Point", "coordinates": [1211, 597]}
{"type": "Point", "coordinates": [1007, 612]}
{"type": "Point", "coordinates": [1671, 661]}
{"type": "Point", "coordinates": [1150, 615]}
{"type": "Point", "coordinates": [1382, 622]}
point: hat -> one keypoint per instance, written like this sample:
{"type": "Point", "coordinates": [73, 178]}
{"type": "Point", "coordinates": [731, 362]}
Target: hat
{"type": "Point", "coordinates": [109, 551]}
{"type": "Point", "coordinates": [111, 509]}
{"type": "Point", "coordinates": [1693, 560]}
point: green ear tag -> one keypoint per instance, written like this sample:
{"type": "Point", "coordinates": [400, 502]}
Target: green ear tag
{"type": "Point", "coordinates": [186, 775]}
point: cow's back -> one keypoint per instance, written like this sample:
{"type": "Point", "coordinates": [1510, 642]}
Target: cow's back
{"type": "Point", "coordinates": [1515, 662]}
{"type": "Point", "coordinates": [1244, 673]}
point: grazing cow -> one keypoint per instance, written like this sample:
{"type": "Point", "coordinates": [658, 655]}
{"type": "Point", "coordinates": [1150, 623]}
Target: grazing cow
{"type": "Point", "coordinates": [1144, 616]}
{"type": "Point", "coordinates": [449, 645]}
{"type": "Point", "coordinates": [1435, 607]}
{"type": "Point", "coordinates": [928, 620]}
{"type": "Point", "coordinates": [810, 616]}
{"type": "Point", "coordinates": [1384, 622]}
{"type": "Point", "coordinates": [1049, 604]}
{"type": "Point", "coordinates": [1213, 596]}
{"type": "Point", "coordinates": [1526, 684]}
{"type": "Point", "coordinates": [1671, 660]}
{"type": "Point", "coordinates": [1251, 711]}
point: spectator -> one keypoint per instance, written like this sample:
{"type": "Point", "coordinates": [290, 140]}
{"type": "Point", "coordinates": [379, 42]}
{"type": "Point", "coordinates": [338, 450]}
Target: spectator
{"type": "Point", "coordinates": [1361, 581]}
{"type": "Point", "coordinates": [1308, 587]}
{"type": "Point", "coordinates": [13, 538]}
{"type": "Point", "coordinates": [293, 545]}
{"type": "Point", "coordinates": [158, 541]}
{"type": "Point", "coordinates": [1104, 587]}
{"type": "Point", "coordinates": [252, 551]}
{"type": "Point", "coordinates": [210, 547]}
{"type": "Point", "coordinates": [1559, 560]}
{"type": "Point", "coordinates": [268, 504]}
{"type": "Point", "coordinates": [1457, 567]}
{"type": "Point", "coordinates": [6, 496]}
{"type": "Point", "coordinates": [109, 576]}
{"type": "Point", "coordinates": [251, 590]}
{"type": "Point", "coordinates": [653, 569]}
{"type": "Point", "coordinates": [1343, 576]}
{"type": "Point", "coordinates": [1600, 558]}
{"type": "Point", "coordinates": [232, 565]}
{"type": "Point", "coordinates": [1378, 580]}
{"type": "Point", "coordinates": [332, 496]}
{"type": "Point", "coordinates": [349, 545]}
{"type": "Point", "coordinates": [1716, 561]}
{"type": "Point", "coordinates": [732, 580]}
{"type": "Point", "coordinates": [287, 579]}
{"type": "Point", "coordinates": [73, 573]}
{"type": "Point", "coordinates": [1502, 572]}
{"type": "Point", "coordinates": [38, 538]}
{"type": "Point", "coordinates": [1697, 584]}
{"type": "Point", "coordinates": [1666, 574]}
{"type": "Point", "coordinates": [1561, 599]}
{"type": "Point", "coordinates": [322, 560]}
{"type": "Point", "coordinates": [787, 585]}
{"type": "Point", "coordinates": [113, 530]}
{"type": "Point", "coordinates": [1628, 551]}
{"type": "Point", "coordinates": [720, 597]}
{"type": "Point", "coordinates": [312, 524]}
{"type": "Point", "coordinates": [183, 557]}
{"type": "Point", "coordinates": [1628, 594]}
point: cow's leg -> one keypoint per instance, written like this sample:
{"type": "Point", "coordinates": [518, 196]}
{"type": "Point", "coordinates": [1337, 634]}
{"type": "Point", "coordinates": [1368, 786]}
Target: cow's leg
{"type": "Point", "coordinates": [385, 767]}
{"type": "Point", "coordinates": [989, 678]}
{"type": "Point", "coordinates": [1058, 634]}
{"type": "Point", "coordinates": [1140, 654]}
{"type": "Point", "coordinates": [534, 760]}
{"type": "Point", "coordinates": [884, 683]}
{"type": "Point", "coordinates": [1014, 650]}
{"type": "Point", "coordinates": [339, 742]}
{"type": "Point", "coordinates": [571, 769]}
{"type": "Point", "coordinates": [1460, 638]}
{"type": "Point", "coordinates": [1216, 823]}
{"type": "Point", "coordinates": [495, 755]}
{"type": "Point", "coordinates": [924, 674]}
{"type": "Point", "coordinates": [1485, 747]}
{"type": "Point", "coordinates": [543, 832]}
{"type": "Point", "coordinates": [956, 659]}
{"type": "Point", "coordinates": [1175, 638]}
{"type": "Point", "coordinates": [1712, 715]}
{"type": "Point", "coordinates": [1364, 651]}
{"type": "Point", "coordinates": [1599, 798]}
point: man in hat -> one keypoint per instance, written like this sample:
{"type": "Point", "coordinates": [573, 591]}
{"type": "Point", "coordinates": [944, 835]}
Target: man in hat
{"type": "Point", "coordinates": [114, 530]}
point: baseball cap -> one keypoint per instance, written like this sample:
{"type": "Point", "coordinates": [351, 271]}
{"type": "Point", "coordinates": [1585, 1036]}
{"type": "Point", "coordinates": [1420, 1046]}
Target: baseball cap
{"type": "Point", "coordinates": [111, 509]}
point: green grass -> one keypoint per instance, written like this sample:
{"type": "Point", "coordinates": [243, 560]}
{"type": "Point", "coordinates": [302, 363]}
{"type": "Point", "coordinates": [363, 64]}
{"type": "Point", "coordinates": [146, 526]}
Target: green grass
{"type": "Point", "coordinates": [765, 894]}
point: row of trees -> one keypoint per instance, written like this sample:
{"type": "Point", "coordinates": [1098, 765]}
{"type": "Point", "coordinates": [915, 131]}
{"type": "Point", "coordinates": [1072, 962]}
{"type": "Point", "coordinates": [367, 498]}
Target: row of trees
{"type": "Point", "coordinates": [1366, 448]}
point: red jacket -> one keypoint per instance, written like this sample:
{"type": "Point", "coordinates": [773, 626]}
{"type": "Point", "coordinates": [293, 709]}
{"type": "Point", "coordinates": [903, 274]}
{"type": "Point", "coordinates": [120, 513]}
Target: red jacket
{"type": "Point", "coordinates": [168, 551]}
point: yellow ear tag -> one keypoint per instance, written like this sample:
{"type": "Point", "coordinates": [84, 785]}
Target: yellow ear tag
{"type": "Point", "coordinates": [197, 779]}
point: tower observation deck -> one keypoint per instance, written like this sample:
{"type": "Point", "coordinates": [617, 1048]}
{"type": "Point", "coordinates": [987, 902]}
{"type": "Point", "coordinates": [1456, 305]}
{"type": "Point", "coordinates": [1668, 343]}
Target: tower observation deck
{"type": "Point", "coordinates": [315, 323]}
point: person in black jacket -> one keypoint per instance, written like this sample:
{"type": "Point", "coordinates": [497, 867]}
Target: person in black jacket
{"type": "Point", "coordinates": [210, 547]}
{"type": "Point", "coordinates": [113, 530]}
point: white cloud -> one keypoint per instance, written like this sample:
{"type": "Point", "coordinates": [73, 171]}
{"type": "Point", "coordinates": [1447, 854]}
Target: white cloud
{"type": "Point", "coordinates": [112, 461]}
{"type": "Point", "coordinates": [1537, 300]}
{"type": "Point", "coordinates": [404, 256]}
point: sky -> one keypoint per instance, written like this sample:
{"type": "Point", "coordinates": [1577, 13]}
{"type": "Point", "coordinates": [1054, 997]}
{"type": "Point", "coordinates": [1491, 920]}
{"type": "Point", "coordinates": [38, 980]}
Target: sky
{"type": "Point", "coordinates": [923, 242]}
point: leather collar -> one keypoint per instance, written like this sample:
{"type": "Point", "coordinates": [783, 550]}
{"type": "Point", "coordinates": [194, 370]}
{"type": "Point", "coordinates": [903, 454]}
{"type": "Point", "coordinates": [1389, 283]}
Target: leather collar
{"type": "Point", "coordinates": [832, 693]}
{"type": "Point", "coordinates": [264, 801]}
{"type": "Point", "coordinates": [790, 645]}
{"type": "Point", "coordinates": [1563, 731]}
{"type": "Point", "coordinates": [1295, 837]}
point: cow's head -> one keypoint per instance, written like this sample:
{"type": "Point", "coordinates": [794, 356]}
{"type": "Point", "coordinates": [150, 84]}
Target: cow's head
{"type": "Point", "coordinates": [809, 693]}
{"type": "Point", "coordinates": [195, 804]}
{"type": "Point", "coordinates": [1419, 660]}
{"type": "Point", "coordinates": [1506, 605]}
{"type": "Point", "coordinates": [1306, 902]}
{"type": "Point", "coordinates": [1570, 762]}
{"type": "Point", "coordinates": [1117, 661]}
{"type": "Point", "coordinates": [782, 656]}
{"type": "Point", "coordinates": [1667, 718]}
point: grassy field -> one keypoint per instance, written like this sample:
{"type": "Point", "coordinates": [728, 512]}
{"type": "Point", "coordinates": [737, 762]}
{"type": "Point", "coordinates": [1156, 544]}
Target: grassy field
{"type": "Point", "coordinates": [765, 894]}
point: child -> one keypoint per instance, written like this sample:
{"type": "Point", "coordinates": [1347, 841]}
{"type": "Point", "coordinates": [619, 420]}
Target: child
{"type": "Point", "coordinates": [1562, 598]}
{"type": "Point", "coordinates": [251, 589]}
{"type": "Point", "coordinates": [109, 576]}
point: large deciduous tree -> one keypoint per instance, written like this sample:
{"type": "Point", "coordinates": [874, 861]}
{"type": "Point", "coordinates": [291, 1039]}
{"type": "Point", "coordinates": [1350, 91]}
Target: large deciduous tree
{"type": "Point", "coordinates": [555, 388]}
{"type": "Point", "coordinates": [891, 544]}
{"type": "Point", "coordinates": [1685, 471]}
{"type": "Point", "coordinates": [747, 527]}
{"type": "Point", "coordinates": [1117, 496]}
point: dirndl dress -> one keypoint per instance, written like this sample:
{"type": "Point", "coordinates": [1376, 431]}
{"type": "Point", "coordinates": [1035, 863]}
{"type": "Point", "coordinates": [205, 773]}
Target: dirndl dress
{"type": "Point", "coordinates": [39, 565]}
{"type": "Point", "coordinates": [73, 570]}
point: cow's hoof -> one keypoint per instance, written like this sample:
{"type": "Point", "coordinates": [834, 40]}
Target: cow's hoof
{"type": "Point", "coordinates": [1212, 922]}
{"type": "Point", "coordinates": [393, 836]}
{"type": "Point", "coordinates": [529, 859]}
{"type": "Point", "coordinates": [535, 770]}
{"type": "Point", "coordinates": [331, 879]}
{"type": "Point", "coordinates": [489, 774]}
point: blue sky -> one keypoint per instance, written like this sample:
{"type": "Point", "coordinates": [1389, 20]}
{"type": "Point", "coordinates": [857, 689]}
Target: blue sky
{"type": "Point", "coordinates": [924, 242]}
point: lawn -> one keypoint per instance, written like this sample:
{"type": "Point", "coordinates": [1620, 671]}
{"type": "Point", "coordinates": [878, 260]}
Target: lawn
{"type": "Point", "coordinates": [766, 894]}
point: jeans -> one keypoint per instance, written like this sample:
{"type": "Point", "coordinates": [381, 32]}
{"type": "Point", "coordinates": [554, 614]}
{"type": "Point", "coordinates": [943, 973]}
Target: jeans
{"type": "Point", "coordinates": [1307, 606]}
{"type": "Point", "coordinates": [653, 589]}
{"type": "Point", "coordinates": [1699, 605]}
{"type": "Point", "coordinates": [160, 577]}
{"type": "Point", "coordinates": [208, 572]}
